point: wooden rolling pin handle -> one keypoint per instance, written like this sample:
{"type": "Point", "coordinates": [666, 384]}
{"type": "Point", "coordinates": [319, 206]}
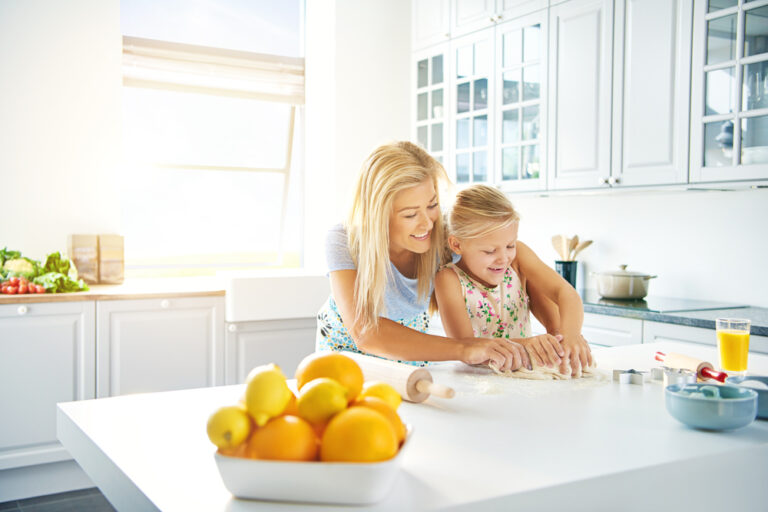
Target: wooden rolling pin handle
{"type": "Point", "coordinates": [709, 373]}
{"type": "Point", "coordinates": [440, 390]}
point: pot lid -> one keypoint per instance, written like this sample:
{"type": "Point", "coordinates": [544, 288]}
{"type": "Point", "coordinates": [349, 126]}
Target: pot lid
{"type": "Point", "coordinates": [623, 272]}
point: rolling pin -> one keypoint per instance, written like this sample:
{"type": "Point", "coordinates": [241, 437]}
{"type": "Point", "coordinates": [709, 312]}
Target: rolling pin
{"type": "Point", "coordinates": [413, 384]}
{"type": "Point", "coordinates": [703, 369]}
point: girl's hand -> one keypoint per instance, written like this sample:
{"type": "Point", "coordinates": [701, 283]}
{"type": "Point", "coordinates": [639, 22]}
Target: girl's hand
{"type": "Point", "coordinates": [577, 351]}
{"type": "Point", "coordinates": [545, 349]}
{"type": "Point", "coordinates": [506, 355]}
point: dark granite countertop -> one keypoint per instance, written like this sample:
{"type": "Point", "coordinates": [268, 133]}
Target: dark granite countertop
{"type": "Point", "coordinates": [693, 313]}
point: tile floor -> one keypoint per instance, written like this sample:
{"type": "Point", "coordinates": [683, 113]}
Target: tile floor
{"type": "Point", "coordinates": [85, 500]}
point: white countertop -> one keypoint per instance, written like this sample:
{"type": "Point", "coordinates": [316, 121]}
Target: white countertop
{"type": "Point", "coordinates": [499, 444]}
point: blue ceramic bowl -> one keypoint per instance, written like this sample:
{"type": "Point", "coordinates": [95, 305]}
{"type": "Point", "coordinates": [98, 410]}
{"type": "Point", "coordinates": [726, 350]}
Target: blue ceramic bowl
{"type": "Point", "coordinates": [762, 394]}
{"type": "Point", "coordinates": [710, 407]}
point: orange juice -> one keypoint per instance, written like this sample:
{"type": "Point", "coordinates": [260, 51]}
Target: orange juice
{"type": "Point", "coordinates": [734, 347]}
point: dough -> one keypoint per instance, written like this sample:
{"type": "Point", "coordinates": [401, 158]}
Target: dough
{"type": "Point", "coordinates": [545, 372]}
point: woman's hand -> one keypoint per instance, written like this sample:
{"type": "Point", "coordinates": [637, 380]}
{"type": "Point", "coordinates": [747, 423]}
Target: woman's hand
{"type": "Point", "coordinates": [545, 349]}
{"type": "Point", "coordinates": [577, 351]}
{"type": "Point", "coordinates": [506, 355]}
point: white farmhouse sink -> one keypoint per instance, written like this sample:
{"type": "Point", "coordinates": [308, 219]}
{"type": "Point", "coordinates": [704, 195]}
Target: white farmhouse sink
{"type": "Point", "coordinates": [274, 294]}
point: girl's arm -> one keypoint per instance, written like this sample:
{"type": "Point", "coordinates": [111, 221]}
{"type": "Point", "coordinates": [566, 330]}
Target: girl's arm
{"type": "Point", "coordinates": [543, 308]}
{"type": "Point", "coordinates": [568, 302]}
{"type": "Point", "coordinates": [395, 341]}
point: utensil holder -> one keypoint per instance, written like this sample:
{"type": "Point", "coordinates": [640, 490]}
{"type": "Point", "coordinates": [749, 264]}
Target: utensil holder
{"type": "Point", "coordinates": [567, 269]}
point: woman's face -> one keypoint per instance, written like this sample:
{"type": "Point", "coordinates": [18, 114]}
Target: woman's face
{"type": "Point", "coordinates": [414, 212]}
{"type": "Point", "coordinates": [487, 258]}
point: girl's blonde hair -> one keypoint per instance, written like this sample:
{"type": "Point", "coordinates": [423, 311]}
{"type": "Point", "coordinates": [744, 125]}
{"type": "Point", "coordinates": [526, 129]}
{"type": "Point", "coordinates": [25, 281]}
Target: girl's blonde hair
{"type": "Point", "coordinates": [478, 211]}
{"type": "Point", "coordinates": [388, 170]}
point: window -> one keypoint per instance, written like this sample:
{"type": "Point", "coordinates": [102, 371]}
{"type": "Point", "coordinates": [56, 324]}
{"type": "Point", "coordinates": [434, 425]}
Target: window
{"type": "Point", "coordinates": [213, 96]}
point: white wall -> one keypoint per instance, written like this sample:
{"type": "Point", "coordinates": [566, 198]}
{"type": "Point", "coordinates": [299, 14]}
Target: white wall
{"type": "Point", "coordinates": [357, 77]}
{"type": "Point", "coordinates": [707, 245]}
{"type": "Point", "coordinates": [59, 121]}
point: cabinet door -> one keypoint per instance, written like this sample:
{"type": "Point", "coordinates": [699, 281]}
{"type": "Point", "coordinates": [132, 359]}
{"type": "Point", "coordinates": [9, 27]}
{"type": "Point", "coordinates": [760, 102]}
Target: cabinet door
{"type": "Point", "coordinates": [472, 108]}
{"type": "Point", "coordinates": [521, 106]}
{"type": "Point", "coordinates": [512, 9]}
{"type": "Point", "coordinates": [431, 22]}
{"type": "Point", "coordinates": [159, 344]}
{"type": "Point", "coordinates": [471, 15]}
{"type": "Point", "coordinates": [580, 93]}
{"type": "Point", "coordinates": [283, 342]}
{"type": "Point", "coordinates": [651, 83]}
{"type": "Point", "coordinates": [658, 331]}
{"type": "Point", "coordinates": [729, 92]}
{"type": "Point", "coordinates": [430, 103]}
{"type": "Point", "coordinates": [612, 331]}
{"type": "Point", "coordinates": [47, 355]}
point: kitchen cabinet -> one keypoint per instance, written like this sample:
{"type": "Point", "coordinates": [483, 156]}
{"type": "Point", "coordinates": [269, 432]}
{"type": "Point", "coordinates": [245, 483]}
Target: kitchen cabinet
{"type": "Point", "coordinates": [729, 92]}
{"type": "Point", "coordinates": [283, 342]}
{"type": "Point", "coordinates": [159, 344]}
{"type": "Point", "coordinates": [47, 355]}
{"type": "Point", "coordinates": [431, 22]}
{"type": "Point", "coordinates": [651, 92]}
{"type": "Point", "coordinates": [611, 331]}
{"type": "Point", "coordinates": [654, 332]}
{"type": "Point", "coordinates": [580, 49]}
{"type": "Point", "coordinates": [468, 16]}
{"type": "Point", "coordinates": [430, 100]}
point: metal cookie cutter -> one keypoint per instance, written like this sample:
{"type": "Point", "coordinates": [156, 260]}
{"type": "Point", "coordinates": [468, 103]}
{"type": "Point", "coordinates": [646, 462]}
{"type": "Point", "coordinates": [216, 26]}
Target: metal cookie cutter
{"type": "Point", "coordinates": [673, 376]}
{"type": "Point", "coordinates": [628, 376]}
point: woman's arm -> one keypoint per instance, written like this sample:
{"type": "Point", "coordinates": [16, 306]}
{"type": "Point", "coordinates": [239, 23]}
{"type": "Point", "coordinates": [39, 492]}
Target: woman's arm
{"type": "Point", "coordinates": [395, 341]}
{"type": "Point", "coordinates": [568, 302]}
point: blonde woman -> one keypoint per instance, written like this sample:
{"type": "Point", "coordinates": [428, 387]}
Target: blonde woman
{"type": "Point", "coordinates": [382, 264]}
{"type": "Point", "coordinates": [486, 292]}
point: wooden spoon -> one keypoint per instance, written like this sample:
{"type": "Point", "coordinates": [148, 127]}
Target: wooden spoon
{"type": "Point", "coordinates": [572, 243]}
{"type": "Point", "coordinates": [557, 243]}
{"type": "Point", "coordinates": [583, 245]}
{"type": "Point", "coordinates": [564, 245]}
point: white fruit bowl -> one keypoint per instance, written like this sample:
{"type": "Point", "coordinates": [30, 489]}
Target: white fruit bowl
{"type": "Point", "coordinates": [347, 483]}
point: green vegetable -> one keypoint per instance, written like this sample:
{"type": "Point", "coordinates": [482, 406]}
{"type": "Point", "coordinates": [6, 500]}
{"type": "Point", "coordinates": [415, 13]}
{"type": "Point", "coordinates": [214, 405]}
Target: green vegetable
{"type": "Point", "coordinates": [56, 282]}
{"type": "Point", "coordinates": [21, 267]}
{"type": "Point", "coordinates": [5, 254]}
{"type": "Point", "coordinates": [54, 262]}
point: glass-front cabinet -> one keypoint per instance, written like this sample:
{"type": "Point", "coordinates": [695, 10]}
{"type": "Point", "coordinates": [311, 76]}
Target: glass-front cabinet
{"type": "Point", "coordinates": [729, 131]}
{"type": "Point", "coordinates": [430, 101]}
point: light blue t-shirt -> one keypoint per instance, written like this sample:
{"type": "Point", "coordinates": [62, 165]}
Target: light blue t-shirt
{"type": "Point", "coordinates": [401, 299]}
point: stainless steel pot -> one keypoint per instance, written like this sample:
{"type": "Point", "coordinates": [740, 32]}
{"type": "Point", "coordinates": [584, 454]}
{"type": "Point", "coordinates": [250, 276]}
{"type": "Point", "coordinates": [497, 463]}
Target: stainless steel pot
{"type": "Point", "coordinates": [622, 284]}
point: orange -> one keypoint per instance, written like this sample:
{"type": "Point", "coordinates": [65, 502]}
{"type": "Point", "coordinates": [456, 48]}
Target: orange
{"type": "Point", "coordinates": [335, 366]}
{"type": "Point", "coordinates": [291, 408]}
{"type": "Point", "coordinates": [284, 438]}
{"type": "Point", "coordinates": [358, 434]}
{"type": "Point", "coordinates": [377, 404]}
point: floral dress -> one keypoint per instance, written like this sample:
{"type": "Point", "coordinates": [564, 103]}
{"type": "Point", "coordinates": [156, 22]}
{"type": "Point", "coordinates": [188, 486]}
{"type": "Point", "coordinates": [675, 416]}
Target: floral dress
{"type": "Point", "coordinates": [498, 312]}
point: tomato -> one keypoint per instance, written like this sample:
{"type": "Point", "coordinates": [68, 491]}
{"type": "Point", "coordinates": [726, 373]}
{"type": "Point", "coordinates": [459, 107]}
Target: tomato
{"type": "Point", "coordinates": [14, 281]}
{"type": "Point", "coordinates": [23, 288]}
{"type": "Point", "coordinates": [39, 288]}
{"type": "Point", "coordinates": [23, 280]}
{"type": "Point", "coordinates": [11, 290]}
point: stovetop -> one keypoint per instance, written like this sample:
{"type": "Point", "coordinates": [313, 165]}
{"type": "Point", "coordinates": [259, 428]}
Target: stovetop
{"type": "Point", "coordinates": [656, 304]}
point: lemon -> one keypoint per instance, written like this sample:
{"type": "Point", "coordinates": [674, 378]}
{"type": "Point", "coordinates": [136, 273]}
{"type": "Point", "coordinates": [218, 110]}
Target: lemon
{"type": "Point", "coordinates": [381, 390]}
{"type": "Point", "coordinates": [320, 399]}
{"type": "Point", "coordinates": [266, 393]}
{"type": "Point", "coordinates": [229, 426]}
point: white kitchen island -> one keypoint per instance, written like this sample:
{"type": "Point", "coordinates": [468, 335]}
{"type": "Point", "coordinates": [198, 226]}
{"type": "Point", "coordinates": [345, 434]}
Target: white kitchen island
{"type": "Point", "coordinates": [500, 444]}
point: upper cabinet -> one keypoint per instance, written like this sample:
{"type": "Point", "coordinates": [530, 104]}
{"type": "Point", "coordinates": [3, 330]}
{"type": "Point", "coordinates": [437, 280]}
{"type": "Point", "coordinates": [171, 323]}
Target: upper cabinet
{"type": "Point", "coordinates": [430, 101]}
{"type": "Point", "coordinates": [431, 22]}
{"type": "Point", "coordinates": [729, 96]}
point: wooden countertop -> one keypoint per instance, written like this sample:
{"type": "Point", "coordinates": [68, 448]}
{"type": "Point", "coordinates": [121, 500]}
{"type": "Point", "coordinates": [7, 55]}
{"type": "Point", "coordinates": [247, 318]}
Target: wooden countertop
{"type": "Point", "coordinates": [130, 289]}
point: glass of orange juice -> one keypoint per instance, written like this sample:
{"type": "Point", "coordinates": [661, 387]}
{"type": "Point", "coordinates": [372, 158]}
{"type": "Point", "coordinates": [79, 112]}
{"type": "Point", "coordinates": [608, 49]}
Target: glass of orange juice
{"type": "Point", "coordinates": [733, 344]}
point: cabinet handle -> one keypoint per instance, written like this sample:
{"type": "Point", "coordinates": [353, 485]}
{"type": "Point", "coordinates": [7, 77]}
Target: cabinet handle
{"type": "Point", "coordinates": [22, 310]}
{"type": "Point", "coordinates": [492, 19]}
{"type": "Point", "coordinates": [232, 327]}
{"type": "Point", "coordinates": [603, 181]}
{"type": "Point", "coordinates": [499, 17]}
{"type": "Point", "coordinates": [165, 304]}
{"type": "Point", "coordinates": [613, 180]}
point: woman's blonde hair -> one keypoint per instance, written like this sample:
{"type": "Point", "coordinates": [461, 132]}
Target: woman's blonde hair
{"type": "Point", "coordinates": [478, 211]}
{"type": "Point", "coordinates": [390, 169]}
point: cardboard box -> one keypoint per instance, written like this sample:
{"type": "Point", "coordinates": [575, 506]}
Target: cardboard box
{"type": "Point", "coordinates": [83, 250]}
{"type": "Point", "coordinates": [111, 260]}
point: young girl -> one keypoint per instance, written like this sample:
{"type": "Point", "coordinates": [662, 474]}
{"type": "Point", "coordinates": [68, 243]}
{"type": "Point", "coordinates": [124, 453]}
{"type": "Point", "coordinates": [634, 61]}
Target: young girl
{"type": "Point", "coordinates": [382, 264]}
{"type": "Point", "coordinates": [486, 293]}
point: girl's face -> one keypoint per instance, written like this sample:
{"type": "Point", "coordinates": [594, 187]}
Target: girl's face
{"type": "Point", "coordinates": [487, 258]}
{"type": "Point", "coordinates": [414, 212]}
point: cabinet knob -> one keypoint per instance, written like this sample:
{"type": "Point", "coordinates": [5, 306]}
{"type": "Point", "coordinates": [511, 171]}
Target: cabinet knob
{"type": "Point", "coordinates": [492, 19]}
{"type": "Point", "coordinates": [165, 304]}
{"type": "Point", "coordinates": [603, 181]}
{"type": "Point", "coordinates": [613, 180]}
{"type": "Point", "coordinates": [499, 17]}
{"type": "Point", "coordinates": [22, 310]}
{"type": "Point", "coordinates": [232, 327]}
